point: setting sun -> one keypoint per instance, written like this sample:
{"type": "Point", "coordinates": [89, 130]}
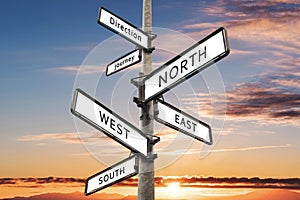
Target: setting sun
{"type": "Point", "coordinates": [174, 188]}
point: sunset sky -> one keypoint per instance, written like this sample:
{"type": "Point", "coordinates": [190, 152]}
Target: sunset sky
{"type": "Point", "coordinates": [48, 48]}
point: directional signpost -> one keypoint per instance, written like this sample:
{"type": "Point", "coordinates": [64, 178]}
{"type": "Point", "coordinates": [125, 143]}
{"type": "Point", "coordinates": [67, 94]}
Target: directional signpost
{"type": "Point", "coordinates": [125, 61]}
{"type": "Point", "coordinates": [179, 120]}
{"type": "Point", "coordinates": [193, 60]}
{"type": "Point", "coordinates": [116, 173]}
{"type": "Point", "coordinates": [124, 28]}
{"type": "Point", "coordinates": [108, 122]}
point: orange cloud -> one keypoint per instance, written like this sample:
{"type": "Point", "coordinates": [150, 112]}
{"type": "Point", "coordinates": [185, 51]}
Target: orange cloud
{"type": "Point", "coordinates": [271, 98]}
{"type": "Point", "coordinates": [66, 138]}
{"type": "Point", "coordinates": [57, 137]}
{"type": "Point", "coordinates": [163, 181]}
{"type": "Point", "coordinates": [251, 148]}
{"type": "Point", "coordinates": [273, 25]}
{"type": "Point", "coordinates": [29, 181]}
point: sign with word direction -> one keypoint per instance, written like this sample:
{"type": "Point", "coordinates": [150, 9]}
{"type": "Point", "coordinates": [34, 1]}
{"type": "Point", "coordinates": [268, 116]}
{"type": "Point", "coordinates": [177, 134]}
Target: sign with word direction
{"type": "Point", "coordinates": [193, 60]}
{"type": "Point", "coordinates": [125, 29]}
{"type": "Point", "coordinates": [114, 174]}
{"type": "Point", "coordinates": [97, 115]}
{"type": "Point", "coordinates": [125, 61]}
{"type": "Point", "coordinates": [183, 122]}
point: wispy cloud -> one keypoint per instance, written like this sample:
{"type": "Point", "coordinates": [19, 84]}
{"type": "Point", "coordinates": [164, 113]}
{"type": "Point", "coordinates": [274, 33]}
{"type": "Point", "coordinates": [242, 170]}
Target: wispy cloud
{"type": "Point", "coordinates": [95, 141]}
{"type": "Point", "coordinates": [70, 138]}
{"type": "Point", "coordinates": [190, 151]}
{"type": "Point", "coordinates": [66, 138]}
{"type": "Point", "coordinates": [252, 148]}
{"type": "Point", "coordinates": [94, 69]}
{"type": "Point", "coordinates": [233, 129]}
{"type": "Point", "coordinates": [82, 69]}
{"type": "Point", "coordinates": [83, 47]}
{"type": "Point", "coordinates": [241, 52]}
{"type": "Point", "coordinates": [282, 57]}
{"type": "Point", "coordinates": [247, 8]}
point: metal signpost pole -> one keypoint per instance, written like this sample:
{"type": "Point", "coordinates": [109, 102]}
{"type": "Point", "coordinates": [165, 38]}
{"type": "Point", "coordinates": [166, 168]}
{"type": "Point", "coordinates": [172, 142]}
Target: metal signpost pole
{"type": "Point", "coordinates": [151, 85]}
{"type": "Point", "coordinates": [146, 166]}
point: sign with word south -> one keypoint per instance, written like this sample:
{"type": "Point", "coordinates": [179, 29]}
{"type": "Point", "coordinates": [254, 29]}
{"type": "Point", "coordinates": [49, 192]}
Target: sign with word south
{"type": "Point", "coordinates": [114, 174]}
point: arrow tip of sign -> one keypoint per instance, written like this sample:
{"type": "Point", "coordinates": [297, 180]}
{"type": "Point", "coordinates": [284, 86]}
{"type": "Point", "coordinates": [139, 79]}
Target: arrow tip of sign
{"type": "Point", "coordinates": [99, 14]}
{"type": "Point", "coordinates": [86, 193]}
{"type": "Point", "coordinates": [227, 48]}
{"type": "Point", "coordinates": [74, 101]}
{"type": "Point", "coordinates": [150, 50]}
{"type": "Point", "coordinates": [210, 139]}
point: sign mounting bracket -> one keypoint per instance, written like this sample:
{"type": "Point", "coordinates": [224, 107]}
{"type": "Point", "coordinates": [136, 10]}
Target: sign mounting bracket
{"type": "Point", "coordinates": [150, 50]}
{"type": "Point", "coordinates": [138, 81]}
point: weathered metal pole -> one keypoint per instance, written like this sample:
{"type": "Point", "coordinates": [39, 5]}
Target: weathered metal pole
{"type": "Point", "coordinates": [146, 166]}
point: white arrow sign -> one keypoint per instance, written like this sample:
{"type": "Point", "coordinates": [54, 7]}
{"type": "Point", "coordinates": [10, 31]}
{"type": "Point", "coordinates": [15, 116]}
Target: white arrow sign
{"type": "Point", "coordinates": [183, 122]}
{"type": "Point", "coordinates": [114, 174]}
{"type": "Point", "coordinates": [114, 126]}
{"type": "Point", "coordinates": [201, 55]}
{"type": "Point", "coordinates": [124, 28]}
{"type": "Point", "coordinates": [125, 61]}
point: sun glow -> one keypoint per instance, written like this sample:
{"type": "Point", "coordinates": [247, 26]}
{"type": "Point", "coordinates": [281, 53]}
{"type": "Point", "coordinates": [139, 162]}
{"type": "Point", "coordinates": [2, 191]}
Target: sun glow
{"type": "Point", "coordinates": [174, 188]}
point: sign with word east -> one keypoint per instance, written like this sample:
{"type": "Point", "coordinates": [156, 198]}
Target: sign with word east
{"type": "Point", "coordinates": [183, 122]}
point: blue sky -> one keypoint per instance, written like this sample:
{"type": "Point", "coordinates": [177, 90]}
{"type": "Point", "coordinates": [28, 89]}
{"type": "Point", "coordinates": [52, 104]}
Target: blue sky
{"type": "Point", "coordinates": [43, 43]}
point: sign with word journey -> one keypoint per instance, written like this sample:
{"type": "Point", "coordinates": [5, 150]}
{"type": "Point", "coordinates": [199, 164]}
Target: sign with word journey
{"type": "Point", "coordinates": [125, 61]}
{"type": "Point", "coordinates": [183, 122]}
{"type": "Point", "coordinates": [193, 60]}
{"type": "Point", "coordinates": [124, 28]}
{"type": "Point", "coordinates": [100, 117]}
{"type": "Point", "coordinates": [114, 174]}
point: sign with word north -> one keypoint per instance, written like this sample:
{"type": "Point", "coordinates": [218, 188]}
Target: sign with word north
{"type": "Point", "coordinates": [114, 174]}
{"type": "Point", "coordinates": [183, 122]}
{"type": "Point", "coordinates": [125, 29]}
{"type": "Point", "coordinates": [99, 116]}
{"type": "Point", "coordinates": [193, 60]}
{"type": "Point", "coordinates": [125, 61]}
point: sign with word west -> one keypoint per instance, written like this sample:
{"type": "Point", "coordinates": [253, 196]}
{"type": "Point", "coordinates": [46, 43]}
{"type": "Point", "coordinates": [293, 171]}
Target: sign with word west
{"type": "Point", "coordinates": [100, 117]}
